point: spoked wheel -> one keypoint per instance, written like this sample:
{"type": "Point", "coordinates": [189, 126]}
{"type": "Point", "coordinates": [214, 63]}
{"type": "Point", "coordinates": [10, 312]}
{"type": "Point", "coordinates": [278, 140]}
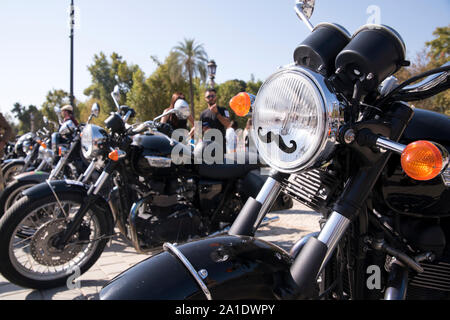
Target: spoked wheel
{"type": "Point", "coordinates": [11, 170]}
{"type": "Point", "coordinates": [12, 193]}
{"type": "Point", "coordinates": [28, 236]}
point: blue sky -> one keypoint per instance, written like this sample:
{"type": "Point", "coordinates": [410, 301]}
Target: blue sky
{"type": "Point", "coordinates": [244, 37]}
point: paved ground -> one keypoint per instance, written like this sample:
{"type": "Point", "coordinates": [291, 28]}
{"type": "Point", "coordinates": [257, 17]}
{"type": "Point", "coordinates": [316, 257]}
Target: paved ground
{"type": "Point", "coordinates": [293, 224]}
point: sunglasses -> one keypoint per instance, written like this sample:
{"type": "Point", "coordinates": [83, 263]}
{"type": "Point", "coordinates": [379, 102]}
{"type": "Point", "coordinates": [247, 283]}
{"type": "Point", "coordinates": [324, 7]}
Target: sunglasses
{"type": "Point", "coordinates": [210, 97]}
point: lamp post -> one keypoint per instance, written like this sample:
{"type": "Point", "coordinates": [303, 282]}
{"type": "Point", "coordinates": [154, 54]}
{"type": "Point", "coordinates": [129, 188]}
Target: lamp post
{"type": "Point", "coordinates": [72, 25]}
{"type": "Point", "coordinates": [212, 68]}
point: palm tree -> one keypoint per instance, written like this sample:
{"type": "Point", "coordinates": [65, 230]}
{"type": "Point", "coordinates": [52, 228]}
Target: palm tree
{"type": "Point", "coordinates": [189, 60]}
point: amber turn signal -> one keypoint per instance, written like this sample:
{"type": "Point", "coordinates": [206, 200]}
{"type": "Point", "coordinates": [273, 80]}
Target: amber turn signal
{"type": "Point", "coordinates": [422, 160]}
{"type": "Point", "coordinates": [241, 104]}
{"type": "Point", "coordinates": [114, 155]}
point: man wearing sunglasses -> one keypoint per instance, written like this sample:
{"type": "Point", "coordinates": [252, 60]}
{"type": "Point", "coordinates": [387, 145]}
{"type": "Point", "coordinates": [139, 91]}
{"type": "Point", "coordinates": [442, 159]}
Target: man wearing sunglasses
{"type": "Point", "coordinates": [217, 117]}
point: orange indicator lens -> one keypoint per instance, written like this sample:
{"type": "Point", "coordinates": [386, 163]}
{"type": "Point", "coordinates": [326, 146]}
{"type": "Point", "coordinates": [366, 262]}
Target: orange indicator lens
{"type": "Point", "coordinates": [241, 104]}
{"type": "Point", "coordinates": [422, 160]}
{"type": "Point", "coordinates": [114, 156]}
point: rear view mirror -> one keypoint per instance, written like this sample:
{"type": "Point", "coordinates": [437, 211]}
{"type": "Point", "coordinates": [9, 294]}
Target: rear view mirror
{"type": "Point", "coordinates": [304, 10]}
{"type": "Point", "coordinates": [95, 110]}
{"type": "Point", "coordinates": [182, 109]}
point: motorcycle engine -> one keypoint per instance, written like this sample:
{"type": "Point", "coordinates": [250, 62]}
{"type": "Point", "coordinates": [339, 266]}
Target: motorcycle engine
{"type": "Point", "coordinates": [169, 216]}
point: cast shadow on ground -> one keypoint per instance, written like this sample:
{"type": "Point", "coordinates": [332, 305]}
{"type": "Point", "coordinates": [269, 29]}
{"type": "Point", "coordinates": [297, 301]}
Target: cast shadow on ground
{"type": "Point", "coordinates": [51, 293]}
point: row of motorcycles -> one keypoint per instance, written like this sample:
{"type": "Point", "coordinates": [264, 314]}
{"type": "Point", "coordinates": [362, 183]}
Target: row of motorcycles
{"type": "Point", "coordinates": [77, 188]}
{"type": "Point", "coordinates": [340, 136]}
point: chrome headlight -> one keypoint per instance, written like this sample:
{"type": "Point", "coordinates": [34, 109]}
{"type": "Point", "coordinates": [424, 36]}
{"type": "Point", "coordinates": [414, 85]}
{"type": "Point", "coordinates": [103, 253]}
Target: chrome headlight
{"type": "Point", "coordinates": [93, 139]}
{"type": "Point", "coordinates": [295, 120]}
{"type": "Point", "coordinates": [41, 152]}
{"type": "Point", "coordinates": [27, 146]}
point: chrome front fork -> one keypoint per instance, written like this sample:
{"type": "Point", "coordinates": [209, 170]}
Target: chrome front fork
{"type": "Point", "coordinates": [57, 170]}
{"type": "Point", "coordinates": [332, 233]}
{"type": "Point", "coordinates": [84, 177]}
{"type": "Point", "coordinates": [255, 210]}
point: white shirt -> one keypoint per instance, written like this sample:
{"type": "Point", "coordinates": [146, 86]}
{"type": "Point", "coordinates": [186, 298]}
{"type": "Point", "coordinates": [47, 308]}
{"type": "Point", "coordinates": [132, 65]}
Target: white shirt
{"type": "Point", "coordinates": [231, 140]}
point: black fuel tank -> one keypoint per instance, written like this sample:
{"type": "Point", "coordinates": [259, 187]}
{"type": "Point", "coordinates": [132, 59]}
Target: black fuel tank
{"type": "Point", "coordinates": [419, 198]}
{"type": "Point", "coordinates": [232, 268]}
{"type": "Point", "coordinates": [155, 154]}
{"type": "Point", "coordinates": [154, 145]}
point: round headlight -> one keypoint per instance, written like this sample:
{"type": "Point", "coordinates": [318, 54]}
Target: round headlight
{"type": "Point", "coordinates": [92, 139]}
{"type": "Point", "coordinates": [295, 120]}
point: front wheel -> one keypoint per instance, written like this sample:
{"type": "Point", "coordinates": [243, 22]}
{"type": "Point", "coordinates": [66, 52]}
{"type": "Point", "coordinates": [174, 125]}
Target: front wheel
{"type": "Point", "coordinates": [11, 170]}
{"type": "Point", "coordinates": [29, 231]}
{"type": "Point", "coordinates": [12, 193]}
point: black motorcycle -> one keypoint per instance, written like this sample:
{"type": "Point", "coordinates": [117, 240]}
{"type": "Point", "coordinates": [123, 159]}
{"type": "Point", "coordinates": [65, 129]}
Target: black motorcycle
{"type": "Point", "coordinates": [375, 167]}
{"type": "Point", "coordinates": [28, 148]}
{"type": "Point", "coordinates": [59, 227]}
{"type": "Point", "coordinates": [63, 156]}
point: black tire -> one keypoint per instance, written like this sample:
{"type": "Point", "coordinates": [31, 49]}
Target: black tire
{"type": "Point", "coordinates": [10, 170]}
{"type": "Point", "coordinates": [11, 230]}
{"type": "Point", "coordinates": [12, 190]}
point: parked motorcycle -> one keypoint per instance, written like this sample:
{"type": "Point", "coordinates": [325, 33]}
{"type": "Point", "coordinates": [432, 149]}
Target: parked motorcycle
{"type": "Point", "coordinates": [58, 227]}
{"type": "Point", "coordinates": [65, 152]}
{"type": "Point", "coordinates": [375, 167]}
{"type": "Point", "coordinates": [27, 148]}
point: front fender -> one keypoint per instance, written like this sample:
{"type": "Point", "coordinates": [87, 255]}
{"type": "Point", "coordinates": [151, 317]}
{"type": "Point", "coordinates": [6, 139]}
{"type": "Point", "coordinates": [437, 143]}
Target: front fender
{"type": "Point", "coordinates": [70, 186]}
{"type": "Point", "coordinates": [232, 267]}
{"type": "Point", "coordinates": [33, 176]}
{"type": "Point", "coordinates": [43, 190]}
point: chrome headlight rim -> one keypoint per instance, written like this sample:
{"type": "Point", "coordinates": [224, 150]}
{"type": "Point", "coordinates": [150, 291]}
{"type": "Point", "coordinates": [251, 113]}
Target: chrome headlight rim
{"type": "Point", "coordinates": [329, 114]}
{"type": "Point", "coordinates": [92, 137]}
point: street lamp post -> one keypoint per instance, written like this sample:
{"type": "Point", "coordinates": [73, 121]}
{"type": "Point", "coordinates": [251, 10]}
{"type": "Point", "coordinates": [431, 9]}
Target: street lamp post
{"type": "Point", "coordinates": [72, 25]}
{"type": "Point", "coordinates": [212, 68]}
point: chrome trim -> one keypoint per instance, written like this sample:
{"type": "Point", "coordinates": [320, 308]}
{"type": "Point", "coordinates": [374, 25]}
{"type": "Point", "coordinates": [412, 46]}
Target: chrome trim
{"type": "Point", "coordinates": [188, 265]}
{"type": "Point", "coordinates": [332, 232]}
{"type": "Point", "coordinates": [88, 172]}
{"type": "Point", "coordinates": [100, 182]}
{"type": "Point", "coordinates": [336, 26]}
{"type": "Point", "coordinates": [390, 145]}
{"type": "Point", "coordinates": [388, 29]}
{"type": "Point", "coordinates": [92, 137]}
{"type": "Point", "coordinates": [267, 189]}
{"type": "Point", "coordinates": [303, 17]}
{"type": "Point", "coordinates": [446, 176]}
{"type": "Point", "coordinates": [331, 123]}
{"type": "Point", "coordinates": [159, 162]}
{"type": "Point", "coordinates": [132, 226]}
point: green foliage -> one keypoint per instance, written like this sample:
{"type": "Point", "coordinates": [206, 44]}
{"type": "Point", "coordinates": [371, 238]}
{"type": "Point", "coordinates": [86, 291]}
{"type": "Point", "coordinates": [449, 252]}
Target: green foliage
{"type": "Point", "coordinates": [105, 76]}
{"type": "Point", "coordinates": [439, 47]}
{"type": "Point", "coordinates": [30, 118]}
{"type": "Point", "coordinates": [436, 53]}
{"type": "Point", "coordinates": [187, 61]}
{"type": "Point", "coordinates": [56, 98]}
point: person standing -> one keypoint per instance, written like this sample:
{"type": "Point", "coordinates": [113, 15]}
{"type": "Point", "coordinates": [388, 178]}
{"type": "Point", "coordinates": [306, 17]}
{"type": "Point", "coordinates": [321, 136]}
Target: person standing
{"type": "Point", "coordinates": [67, 114]}
{"type": "Point", "coordinates": [217, 117]}
{"type": "Point", "coordinates": [231, 137]}
{"type": "Point", "coordinates": [172, 119]}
